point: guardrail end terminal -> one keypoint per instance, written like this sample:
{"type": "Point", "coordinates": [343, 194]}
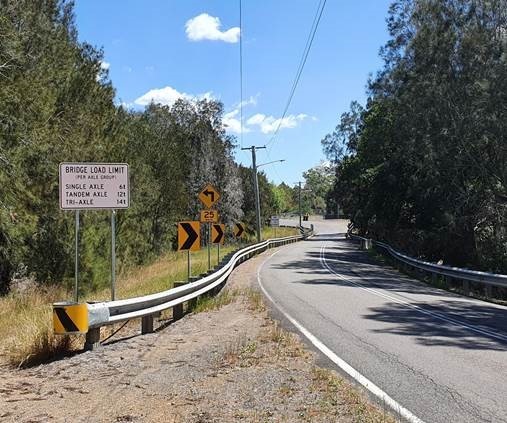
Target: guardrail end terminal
{"type": "Point", "coordinates": [70, 318]}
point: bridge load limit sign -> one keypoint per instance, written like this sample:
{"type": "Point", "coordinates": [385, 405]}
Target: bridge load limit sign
{"type": "Point", "coordinates": [94, 186]}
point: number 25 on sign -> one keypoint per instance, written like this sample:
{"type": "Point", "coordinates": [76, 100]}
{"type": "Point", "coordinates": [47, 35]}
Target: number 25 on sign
{"type": "Point", "coordinates": [209, 216]}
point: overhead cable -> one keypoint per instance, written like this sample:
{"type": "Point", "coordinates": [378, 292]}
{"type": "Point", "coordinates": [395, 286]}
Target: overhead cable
{"type": "Point", "coordinates": [302, 62]}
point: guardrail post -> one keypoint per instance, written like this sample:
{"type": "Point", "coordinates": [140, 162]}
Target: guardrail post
{"type": "Point", "coordinates": [193, 302]}
{"type": "Point", "coordinates": [488, 289]}
{"type": "Point", "coordinates": [92, 339]}
{"type": "Point", "coordinates": [147, 324]}
{"type": "Point", "coordinates": [466, 286]}
{"type": "Point", "coordinates": [366, 244]}
{"type": "Point", "coordinates": [178, 308]}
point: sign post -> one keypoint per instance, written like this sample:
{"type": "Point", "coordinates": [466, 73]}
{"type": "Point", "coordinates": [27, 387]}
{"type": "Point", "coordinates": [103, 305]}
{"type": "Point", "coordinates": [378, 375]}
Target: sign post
{"type": "Point", "coordinates": [189, 238]}
{"type": "Point", "coordinates": [209, 196]}
{"type": "Point", "coordinates": [76, 260]}
{"type": "Point", "coordinates": [113, 255]}
{"type": "Point", "coordinates": [208, 241]}
{"type": "Point", "coordinates": [275, 222]}
{"type": "Point", "coordinates": [218, 236]}
{"type": "Point", "coordinates": [94, 186]}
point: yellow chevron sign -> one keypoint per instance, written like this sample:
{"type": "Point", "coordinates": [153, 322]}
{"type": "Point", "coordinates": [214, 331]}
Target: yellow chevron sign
{"type": "Point", "coordinates": [70, 318]}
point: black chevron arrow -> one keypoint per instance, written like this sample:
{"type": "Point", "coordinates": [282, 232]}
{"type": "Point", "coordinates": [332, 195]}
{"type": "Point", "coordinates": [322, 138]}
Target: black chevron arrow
{"type": "Point", "coordinates": [65, 320]}
{"type": "Point", "coordinates": [209, 194]}
{"type": "Point", "coordinates": [192, 236]}
{"type": "Point", "coordinates": [220, 234]}
{"type": "Point", "coordinates": [239, 228]}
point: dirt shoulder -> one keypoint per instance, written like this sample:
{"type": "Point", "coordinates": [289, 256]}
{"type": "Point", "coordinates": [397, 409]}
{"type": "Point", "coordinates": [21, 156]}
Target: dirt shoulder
{"type": "Point", "coordinates": [231, 364]}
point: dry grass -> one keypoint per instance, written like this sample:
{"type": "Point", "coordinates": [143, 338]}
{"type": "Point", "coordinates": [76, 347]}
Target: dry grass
{"type": "Point", "coordinates": [255, 300]}
{"type": "Point", "coordinates": [338, 395]}
{"type": "Point", "coordinates": [209, 303]}
{"type": "Point", "coordinates": [269, 232]}
{"type": "Point", "coordinates": [26, 325]}
{"type": "Point", "coordinates": [239, 352]}
{"type": "Point", "coordinates": [160, 275]}
{"type": "Point", "coordinates": [286, 343]}
{"type": "Point", "coordinates": [26, 318]}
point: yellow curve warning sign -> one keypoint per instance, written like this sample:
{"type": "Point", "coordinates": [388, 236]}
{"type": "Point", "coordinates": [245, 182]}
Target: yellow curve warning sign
{"type": "Point", "coordinates": [209, 196]}
{"type": "Point", "coordinates": [70, 318]}
{"type": "Point", "coordinates": [189, 237]}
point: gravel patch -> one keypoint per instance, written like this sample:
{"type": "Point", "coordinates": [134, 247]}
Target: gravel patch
{"type": "Point", "coordinates": [231, 364]}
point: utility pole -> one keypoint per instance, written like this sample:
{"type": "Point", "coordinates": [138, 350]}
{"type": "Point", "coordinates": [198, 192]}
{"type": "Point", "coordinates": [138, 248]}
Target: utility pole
{"type": "Point", "coordinates": [256, 189]}
{"type": "Point", "coordinates": [299, 183]}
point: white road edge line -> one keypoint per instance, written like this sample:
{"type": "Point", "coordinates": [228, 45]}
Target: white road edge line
{"type": "Point", "coordinates": [473, 328]}
{"type": "Point", "coordinates": [347, 368]}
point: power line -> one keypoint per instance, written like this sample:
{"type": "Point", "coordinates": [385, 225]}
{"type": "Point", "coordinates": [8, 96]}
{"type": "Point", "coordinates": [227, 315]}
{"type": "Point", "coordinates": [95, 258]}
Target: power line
{"type": "Point", "coordinates": [240, 74]}
{"type": "Point", "coordinates": [302, 62]}
{"type": "Point", "coordinates": [274, 167]}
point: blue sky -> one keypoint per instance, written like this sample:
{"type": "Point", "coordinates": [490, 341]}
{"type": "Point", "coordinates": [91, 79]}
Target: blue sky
{"type": "Point", "coordinates": [163, 49]}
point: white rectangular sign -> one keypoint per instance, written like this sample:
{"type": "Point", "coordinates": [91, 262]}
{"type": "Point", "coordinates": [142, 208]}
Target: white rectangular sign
{"type": "Point", "coordinates": [275, 221]}
{"type": "Point", "coordinates": [94, 186]}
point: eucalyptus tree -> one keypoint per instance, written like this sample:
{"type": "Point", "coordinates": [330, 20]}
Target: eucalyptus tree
{"type": "Point", "coordinates": [426, 164]}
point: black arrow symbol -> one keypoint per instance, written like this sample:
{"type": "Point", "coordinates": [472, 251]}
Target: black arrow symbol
{"type": "Point", "coordinates": [239, 228]}
{"type": "Point", "coordinates": [220, 234]}
{"type": "Point", "coordinates": [192, 236]}
{"type": "Point", "coordinates": [210, 194]}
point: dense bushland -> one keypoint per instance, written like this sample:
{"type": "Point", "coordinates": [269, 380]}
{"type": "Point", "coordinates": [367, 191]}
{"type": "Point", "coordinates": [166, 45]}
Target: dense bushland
{"type": "Point", "coordinates": [57, 104]}
{"type": "Point", "coordinates": [424, 164]}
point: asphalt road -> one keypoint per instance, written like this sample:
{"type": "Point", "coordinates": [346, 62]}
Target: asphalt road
{"type": "Point", "coordinates": [439, 355]}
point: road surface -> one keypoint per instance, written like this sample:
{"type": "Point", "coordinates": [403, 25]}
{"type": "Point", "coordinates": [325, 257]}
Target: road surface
{"type": "Point", "coordinates": [441, 356]}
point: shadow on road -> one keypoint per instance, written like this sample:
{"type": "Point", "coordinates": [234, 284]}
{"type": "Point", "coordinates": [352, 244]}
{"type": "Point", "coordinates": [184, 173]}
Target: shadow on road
{"type": "Point", "coordinates": [345, 258]}
{"type": "Point", "coordinates": [432, 331]}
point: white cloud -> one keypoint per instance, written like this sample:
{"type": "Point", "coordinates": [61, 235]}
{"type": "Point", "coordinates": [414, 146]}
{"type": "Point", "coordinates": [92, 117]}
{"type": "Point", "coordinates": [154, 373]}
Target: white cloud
{"type": "Point", "coordinates": [168, 96]}
{"type": "Point", "coordinates": [105, 65]}
{"type": "Point", "coordinates": [252, 101]}
{"type": "Point", "coordinates": [232, 123]}
{"type": "Point", "coordinates": [269, 124]}
{"type": "Point", "coordinates": [126, 105]}
{"type": "Point", "coordinates": [256, 119]}
{"type": "Point", "coordinates": [206, 27]}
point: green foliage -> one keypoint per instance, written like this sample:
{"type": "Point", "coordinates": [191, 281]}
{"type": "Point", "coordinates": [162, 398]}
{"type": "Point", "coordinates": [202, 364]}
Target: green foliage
{"type": "Point", "coordinates": [424, 166]}
{"type": "Point", "coordinates": [284, 198]}
{"type": "Point", "coordinates": [57, 104]}
{"type": "Point", "coordinates": [266, 195]}
{"type": "Point", "coordinates": [318, 182]}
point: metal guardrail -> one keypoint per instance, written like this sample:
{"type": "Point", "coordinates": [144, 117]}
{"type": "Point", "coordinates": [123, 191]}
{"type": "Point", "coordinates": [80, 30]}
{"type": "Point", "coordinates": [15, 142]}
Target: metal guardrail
{"type": "Point", "coordinates": [147, 307]}
{"type": "Point", "coordinates": [465, 275]}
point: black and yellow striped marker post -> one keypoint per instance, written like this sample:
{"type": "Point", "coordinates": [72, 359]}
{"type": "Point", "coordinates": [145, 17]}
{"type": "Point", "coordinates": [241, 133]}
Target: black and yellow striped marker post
{"type": "Point", "coordinates": [69, 318]}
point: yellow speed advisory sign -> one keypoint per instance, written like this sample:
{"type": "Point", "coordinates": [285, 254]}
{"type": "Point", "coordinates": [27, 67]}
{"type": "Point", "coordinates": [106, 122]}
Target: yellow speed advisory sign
{"type": "Point", "coordinates": [70, 318]}
{"type": "Point", "coordinates": [209, 216]}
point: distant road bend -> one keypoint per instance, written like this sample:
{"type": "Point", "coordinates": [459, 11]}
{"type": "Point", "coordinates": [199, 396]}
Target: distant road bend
{"type": "Point", "coordinates": [440, 356]}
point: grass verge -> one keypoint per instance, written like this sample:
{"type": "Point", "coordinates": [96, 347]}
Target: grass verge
{"type": "Point", "coordinates": [337, 394]}
{"type": "Point", "coordinates": [26, 318]}
{"type": "Point", "coordinates": [26, 325]}
{"type": "Point", "coordinates": [329, 397]}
